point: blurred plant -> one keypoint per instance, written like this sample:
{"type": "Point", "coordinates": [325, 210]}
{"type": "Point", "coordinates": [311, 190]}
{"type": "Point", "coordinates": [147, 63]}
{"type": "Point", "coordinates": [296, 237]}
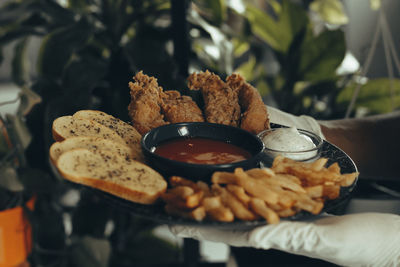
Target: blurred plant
{"type": "Point", "coordinates": [88, 52]}
{"type": "Point", "coordinates": [293, 52]}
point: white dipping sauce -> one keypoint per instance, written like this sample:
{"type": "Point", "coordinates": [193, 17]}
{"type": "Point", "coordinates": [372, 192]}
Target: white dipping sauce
{"type": "Point", "coordinates": [292, 142]}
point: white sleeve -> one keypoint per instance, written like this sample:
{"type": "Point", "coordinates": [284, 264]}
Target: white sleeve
{"type": "Point", "coordinates": [300, 122]}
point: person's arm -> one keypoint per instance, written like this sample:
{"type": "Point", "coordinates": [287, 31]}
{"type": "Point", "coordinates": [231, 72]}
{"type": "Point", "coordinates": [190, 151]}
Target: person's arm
{"type": "Point", "coordinates": [372, 142]}
{"type": "Point", "coordinates": [365, 239]}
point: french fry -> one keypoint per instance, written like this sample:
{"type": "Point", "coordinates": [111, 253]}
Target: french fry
{"type": "Point", "coordinates": [197, 214]}
{"type": "Point", "coordinates": [204, 187]}
{"type": "Point", "coordinates": [259, 207]}
{"type": "Point", "coordinates": [188, 202]}
{"type": "Point", "coordinates": [221, 214]}
{"type": "Point", "coordinates": [285, 200]}
{"type": "Point", "coordinates": [331, 191]}
{"type": "Point", "coordinates": [177, 181]}
{"type": "Point", "coordinates": [260, 173]}
{"type": "Point", "coordinates": [348, 179]}
{"type": "Point", "coordinates": [210, 203]}
{"type": "Point", "coordinates": [334, 168]}
{"type": "Point", "coordinates": [255, 187]}
{"type": "Point", "coordinates": [182, 191]}
{"type": "Point", "coordinates": [286, 212]}
{"type": "Point", "coordinates": [283, 181]}
{"type": "Point", "coordinates": [318, 164]}
{"type": "Point", "coordinates": [303, 202]}
{"type": "Point", "coordinates": [223, 178]}
{"type": "Point", "coordinates": [238, 208]}
{"type": "Point", "coordinates": [239, 192]}
{"type": "Point", "coordinates": [315, 191]}
{"type": "Point", "coordinates": [272, 193]}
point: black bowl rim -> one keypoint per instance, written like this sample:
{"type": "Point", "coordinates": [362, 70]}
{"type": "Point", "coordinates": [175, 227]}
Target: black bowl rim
{"type": "Point", "coordinates": [193, 165]}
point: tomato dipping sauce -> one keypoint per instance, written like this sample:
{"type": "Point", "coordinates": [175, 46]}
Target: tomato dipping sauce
{"type": "Point", "coordinates": [200, 150]}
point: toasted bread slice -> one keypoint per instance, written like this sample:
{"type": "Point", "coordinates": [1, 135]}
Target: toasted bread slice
{"type": "Point", "coordinates": [126, 131]}
{"type": "Point", "coordinates": [67, 126]}
{"type": "Point", "coordinates": [109, 172]}
{"type": "Point", "coordinates": [91, 143]}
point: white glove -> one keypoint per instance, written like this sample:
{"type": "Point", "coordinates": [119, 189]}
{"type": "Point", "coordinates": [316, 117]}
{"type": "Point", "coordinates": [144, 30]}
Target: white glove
{"type": "Point", "coordinates": [300, 122]}
{"type": "Point", "coordinates": [364, 239]}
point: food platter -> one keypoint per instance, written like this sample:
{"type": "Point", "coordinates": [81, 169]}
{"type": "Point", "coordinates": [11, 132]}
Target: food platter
{"type": "Point", "coordinates": [156, 211]}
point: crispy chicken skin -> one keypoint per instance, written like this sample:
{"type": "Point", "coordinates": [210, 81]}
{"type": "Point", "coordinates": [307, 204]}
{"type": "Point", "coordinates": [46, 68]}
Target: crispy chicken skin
{"type": "Point", "coordinates": [255, 116]}
{"type": "Point", "coordinates": [145, 106]}
{"type": "Point", "coordinates": [180, 108]}
{"type": "Point", "coordinates": [221, 104]}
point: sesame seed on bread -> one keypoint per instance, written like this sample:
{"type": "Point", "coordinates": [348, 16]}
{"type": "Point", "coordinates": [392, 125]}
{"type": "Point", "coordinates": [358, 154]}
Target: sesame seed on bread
{"type": "Point", "coordinates": [92, 143]}
{"type": "Point", "coordinates": [112, 173]}
{"type": "Point", "coordinates": [67, 126]}
{"type": "Point", "coordinates": [128, 133]}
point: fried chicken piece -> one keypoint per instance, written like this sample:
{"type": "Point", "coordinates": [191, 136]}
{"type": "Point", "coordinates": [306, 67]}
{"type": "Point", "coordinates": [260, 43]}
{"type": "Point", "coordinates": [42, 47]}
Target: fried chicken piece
{"type": "Point", "coordinates": [145, 106]}
{"type": "Point", "coordinates": [221, 104]}
{"type": "Point", "coordinates": [255, 116]}
{"type": "Point", "coordinates": [180, 108]}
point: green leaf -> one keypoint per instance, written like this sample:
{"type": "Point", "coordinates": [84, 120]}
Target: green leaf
{"type": "Point", "coordinates": [263, 88]}
{"type": "Point", "coordinates": [218, 9]}
{"type": "Point", "coordinates": [240, 47]}
{"type": "Point", "coordinates": [60, 46]}
{"type": "Point", "coordinates": [247, 68]}
{"type": "Point", "coordinates": [20, 132]}
{"type": "Point", "coordinates": [331, 11]}
{"type": "Point", "coordinates": [19, 63]}
{"type": "Point", "coordinates": [375, 4]}
{"type": "Point", "coordinates": [28, 100]}
{"type": "Point", "coordinates": [375, 95]}
{"type": "Point", "coordinates": [13, 10]}
{"type": "Point", "coordinates": [280, 32]}
{"type": "Point", "coordinates": [320, 56]}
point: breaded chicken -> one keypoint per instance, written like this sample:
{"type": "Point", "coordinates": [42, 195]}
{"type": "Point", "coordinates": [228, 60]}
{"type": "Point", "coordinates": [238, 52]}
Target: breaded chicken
{"type": "Point", "coordinates": [221, 104]}
{"type": "Point", "coordinates": [145, 106]}
{"type": "Point", "coordinates": [180, 108]}
{"type": "Point", "coordinates": [255, 117]}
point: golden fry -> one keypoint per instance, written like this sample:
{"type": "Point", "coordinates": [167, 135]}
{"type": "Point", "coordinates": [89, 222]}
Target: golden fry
{"type": "Point", "coordinates": [197, 214]}
{"type": "Point", "coordinates": [239, 192]}
{"type": "Point", "coordinates": [177, 181]}
{"type": "Point", "coordinates": [259, 207]}
{"type": "Point", "coordinates": [221, 214]}
{"type": "Point", "coordinates": [283, 181]}
{"type": "Point", "coordinates": [204, 187]}
{"type": "Point", "coordinates": [260, 173]}
{"type": "Point", "coordinates": [334, 168]}
{"type": "Point", "coordinates": [188, 202]}
{"type": "Point", "coordinates": [224, 178]}
{"type": "Point", "coordinates": [331, 191]}
{"type": "Point", "coordinates": [238, 208]}
{"type": "Point", "coordinates": [348, 179]}
{"type": "Point", "coordinates": [280, 191]}
{"type": "Point", "coordinates": [255, 187]}
{"type": "Point", "coordinates": [182, 191]}
{"type": "Point", "coordinates": [318, 164]}
{"type": "Point", "coordinates": [286, 212]}
{"type": "Point", "coordinates": [210, 203]}
{"type": "Point", "coordinates": [315, 191]}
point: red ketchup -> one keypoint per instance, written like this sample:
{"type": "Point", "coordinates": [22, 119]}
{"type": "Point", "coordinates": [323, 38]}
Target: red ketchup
{"type": "Point", "coordinates": [200, 150]}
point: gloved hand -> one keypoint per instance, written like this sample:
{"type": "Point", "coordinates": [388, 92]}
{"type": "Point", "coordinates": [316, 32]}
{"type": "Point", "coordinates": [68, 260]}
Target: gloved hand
{"type": "Point", "coordinates": [365, 239]}
{"type": "Point", "coordinates": [300, 122]}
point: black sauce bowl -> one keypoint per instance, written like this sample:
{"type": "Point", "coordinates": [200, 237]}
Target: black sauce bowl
{"type": "Point", "coordinates": [219, 132]}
